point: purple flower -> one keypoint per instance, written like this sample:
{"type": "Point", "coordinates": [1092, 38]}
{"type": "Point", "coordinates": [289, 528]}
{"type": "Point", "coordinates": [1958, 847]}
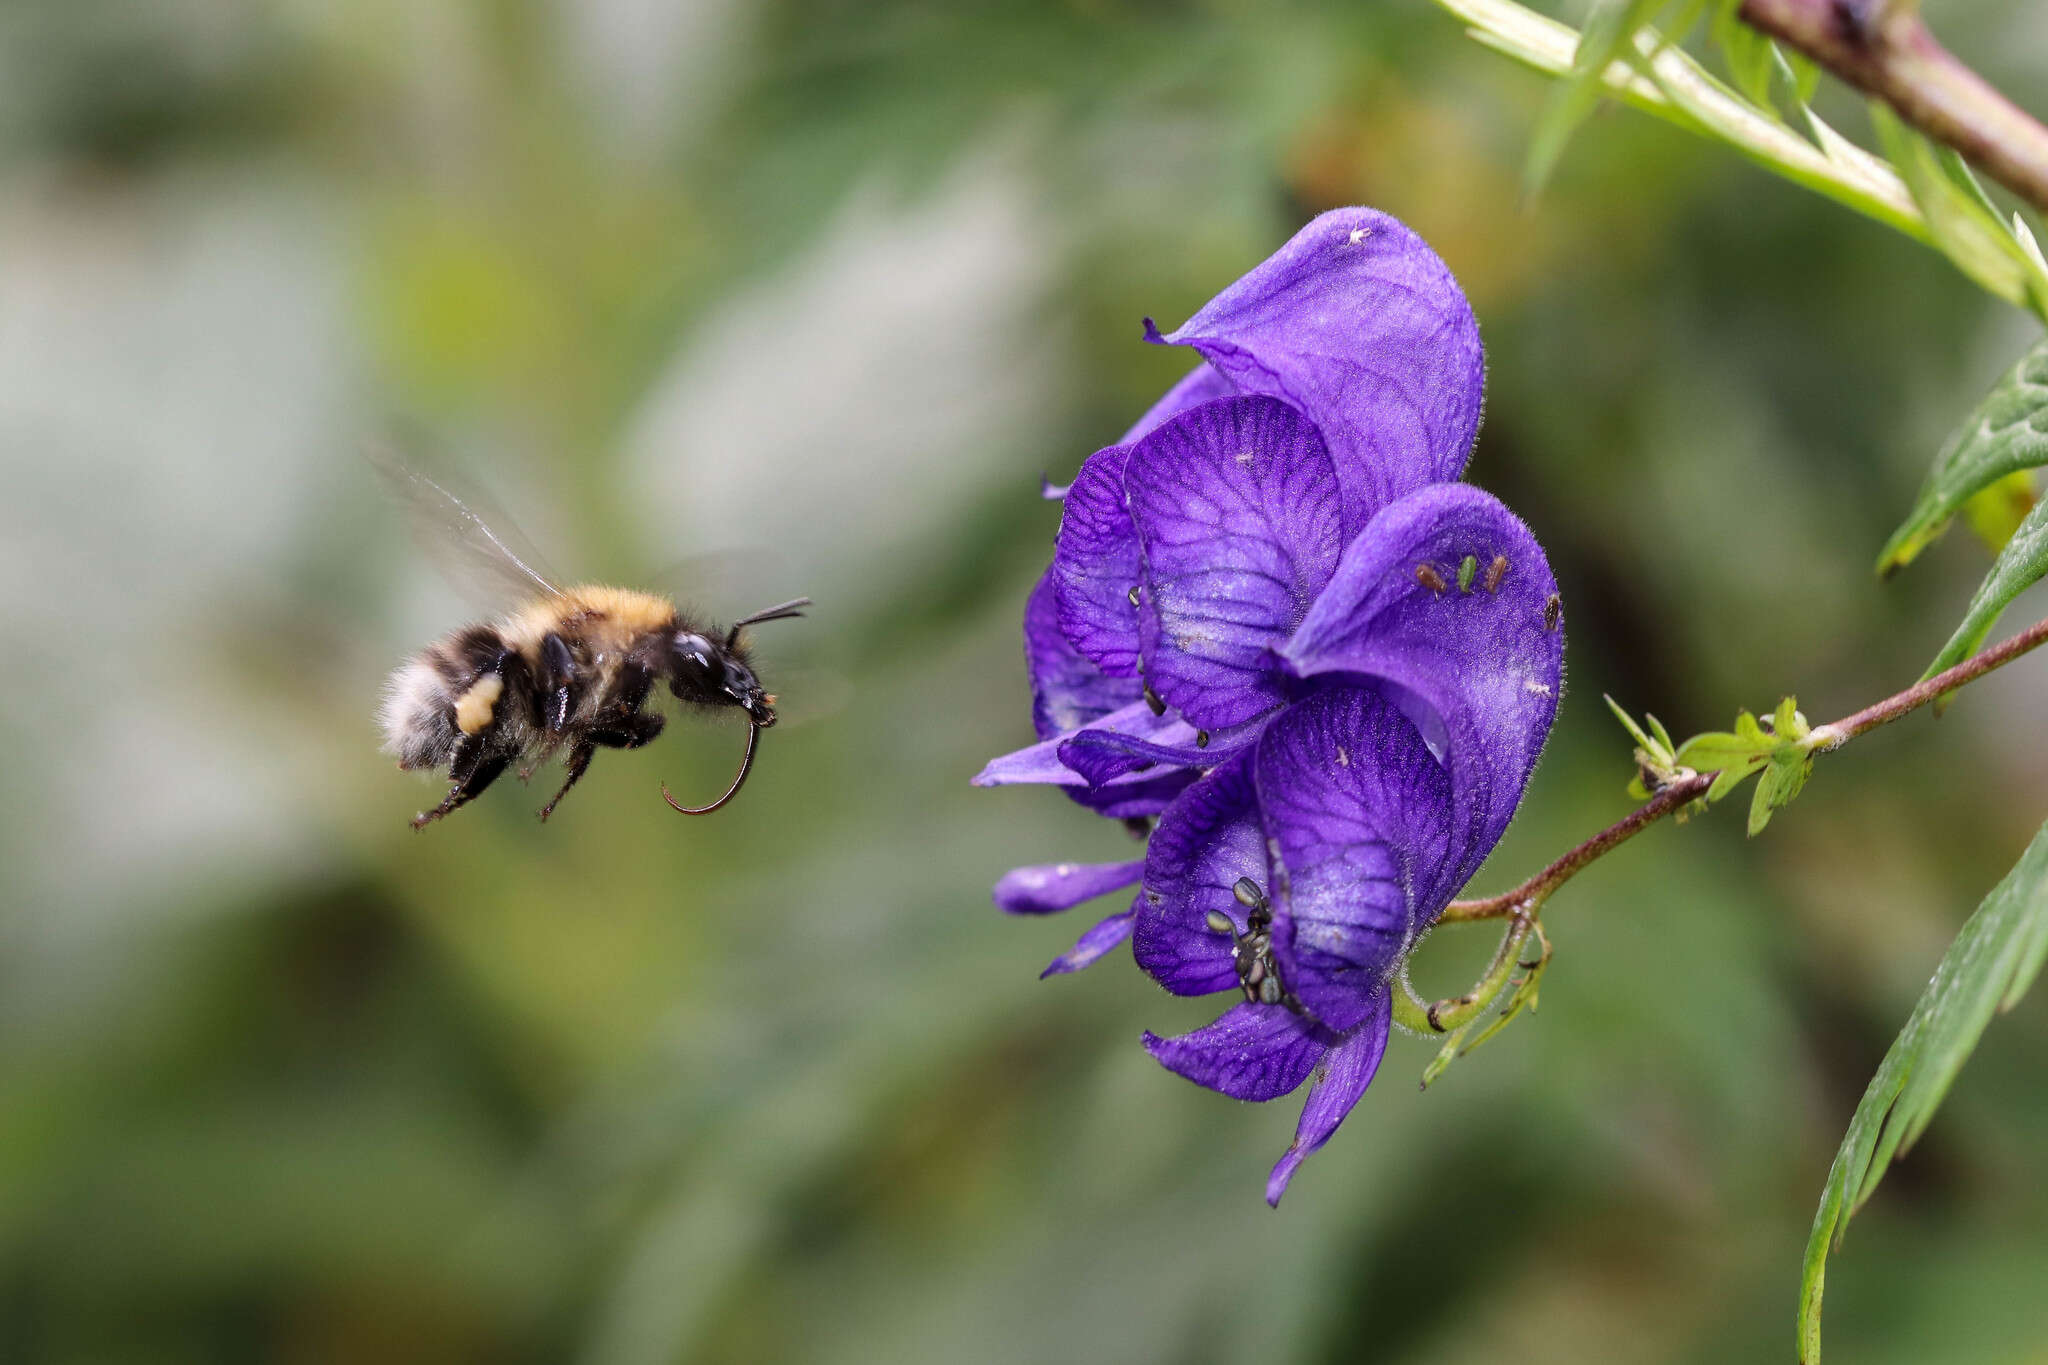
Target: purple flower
{"type": "Point", "coordinates": [1275, 621]}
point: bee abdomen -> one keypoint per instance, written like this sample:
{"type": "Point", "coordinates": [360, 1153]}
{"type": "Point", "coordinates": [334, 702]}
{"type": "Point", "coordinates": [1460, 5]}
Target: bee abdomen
{"type": "Point", "coordinates": [418, 715]}
{"type": "Point", "coordinates": [454, 688]}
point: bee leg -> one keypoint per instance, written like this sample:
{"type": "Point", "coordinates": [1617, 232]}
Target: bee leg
{"type": "Point", "coordinates": [557, 668]}
{"type": "Point", "coordinates": [473, 771]}
{"type": "Point", "coordinates": [630, 731]}
{"type": "Point", "coordinates": [579, 761]}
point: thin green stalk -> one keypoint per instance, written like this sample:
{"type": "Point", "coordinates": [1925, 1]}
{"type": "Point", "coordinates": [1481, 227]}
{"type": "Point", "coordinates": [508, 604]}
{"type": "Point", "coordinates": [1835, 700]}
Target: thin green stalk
{"type": "Point", "coordinates": [1674, 87]}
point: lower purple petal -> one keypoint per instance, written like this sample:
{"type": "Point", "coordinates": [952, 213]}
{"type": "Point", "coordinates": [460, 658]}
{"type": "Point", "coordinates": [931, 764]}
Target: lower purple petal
{"type": "Point", "coordinates": [1047, 888]}
{"type": "Point", "coordinates": [1347, 1070]}
{"type": "Point", "coordinates": [1103, 755]}
{"type": "Point", "coordinates": [1040, 762]}
{"type": "Point", "coordinates": [1067, 689]}
{"type": "Point", "coordinates": [1092, 945]}
{"type": "Point", "coordinates": [1253, 1052]}
{"type": "Point", "coordinates": [1358, 812]}
{"type": "Point", "coordinates": [1134, 797]}
{"type": "Point", "coordinates": [1096, 566]}
{"type": "Point", "coordinates": [1206, 840]}
{"type": "Point", "coordinates": [1488, 659]}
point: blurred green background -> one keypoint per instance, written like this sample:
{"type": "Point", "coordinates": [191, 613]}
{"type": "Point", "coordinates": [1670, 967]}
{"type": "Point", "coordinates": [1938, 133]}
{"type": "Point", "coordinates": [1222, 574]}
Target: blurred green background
{"type": "Point", "coordinates": [282, 1081]}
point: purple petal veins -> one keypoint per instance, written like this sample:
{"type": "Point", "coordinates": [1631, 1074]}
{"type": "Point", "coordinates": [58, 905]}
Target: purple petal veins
{"type": "Point", "coordinates": [1254, 1052]}
{"type": "Point", "coordinates": [1241, 523]}
{"type": "Point", "coordinates": [1067, 689]}
{"type": "Point", "coordinates": [1096, 566]}
{"type": "Point", "coordinates": [1206, 840]}
{"type": "Point", "coordinates": [1361, 326]}
{"type": "Point", "coordinates": [1358, 814]}
{"type": "Point", "coordinates": [1274, 622]}
{"type": "Point", "coordinates": [1488, 663]}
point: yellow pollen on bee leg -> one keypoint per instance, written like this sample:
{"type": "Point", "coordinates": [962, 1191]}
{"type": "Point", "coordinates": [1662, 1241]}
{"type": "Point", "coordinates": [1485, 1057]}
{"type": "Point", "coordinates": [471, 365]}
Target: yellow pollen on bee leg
{"type": "Point", "coordinates": [473, 708]}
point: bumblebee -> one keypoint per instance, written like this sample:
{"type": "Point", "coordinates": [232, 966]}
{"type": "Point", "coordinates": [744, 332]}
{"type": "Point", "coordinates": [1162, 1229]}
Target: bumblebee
{"type": "Point", "coordinates": [570, 671]}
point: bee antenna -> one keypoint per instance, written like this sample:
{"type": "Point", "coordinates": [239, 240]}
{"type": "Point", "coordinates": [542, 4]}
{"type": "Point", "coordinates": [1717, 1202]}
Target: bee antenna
{"type": "Point", "coordinates": [746, 766]}
{"type": "Point", "coordinates": [781, 611]}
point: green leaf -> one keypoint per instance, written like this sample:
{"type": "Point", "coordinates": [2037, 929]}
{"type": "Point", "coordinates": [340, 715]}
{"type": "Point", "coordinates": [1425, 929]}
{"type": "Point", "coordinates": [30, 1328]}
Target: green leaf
{"type": "Point", "coordinates": [1963, 178]}
{"type": "Point", "coordinates": [1760, 804]}
{"type": "Point", "coordinates": [1966, 229]}
{"type": "Point", "coordinates": [1987, 969]}
{"type": "Point", "coordinates": [1627, 723]}
{"type": "Point", "coordinates": [1607, 35]}
{"type": "Point", "coordinates": [1719, 749]}
{"type": "Point", "coordinates": [1747, 729]}
{"type": "Point", "coordinates": [1748, 53]}
{"type": "Point", "coordinates": [2018, 567]}
{"type": "Point", "coordinates": [1730, 778]}
{"type": "Point", "coordinates": [1783, 778]}
{"type": "Point", "coordinates": [2005, 434]}
{"type": "Point", "coordinates": [1803, 74]}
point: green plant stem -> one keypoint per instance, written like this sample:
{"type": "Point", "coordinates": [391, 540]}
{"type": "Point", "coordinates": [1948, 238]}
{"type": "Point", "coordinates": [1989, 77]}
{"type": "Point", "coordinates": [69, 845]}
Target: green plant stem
{"type": "Point", "coordinates": [1674, 87]}
{"type": "Point", "coordinates": [1527, 899]}
{"type": "Point", "coordinates": [1444, 1016]}
{"type": "Point", "coordinates": [1887, 51]}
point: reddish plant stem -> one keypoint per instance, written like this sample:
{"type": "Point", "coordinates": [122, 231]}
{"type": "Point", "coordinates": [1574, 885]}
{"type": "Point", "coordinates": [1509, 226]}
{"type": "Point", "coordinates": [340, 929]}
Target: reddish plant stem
{"type": "Point", "coordinates": [1886, 51]}
{"type": "Point", "coordinates": [1530, 895]}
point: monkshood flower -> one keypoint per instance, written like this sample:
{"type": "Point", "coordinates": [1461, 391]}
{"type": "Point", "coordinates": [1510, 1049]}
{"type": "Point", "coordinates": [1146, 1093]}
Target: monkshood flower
{"type": "Point", "coordinates": [1276, 622]}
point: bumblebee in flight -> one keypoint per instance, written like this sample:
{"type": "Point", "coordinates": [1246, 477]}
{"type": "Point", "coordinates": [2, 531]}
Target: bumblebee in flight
{"type": "Point", "coordinates": [570, 671]}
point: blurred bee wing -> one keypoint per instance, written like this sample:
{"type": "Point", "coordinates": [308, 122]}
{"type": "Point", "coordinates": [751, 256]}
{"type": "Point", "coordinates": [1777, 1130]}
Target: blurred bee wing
{"type": "Point", "coordinates": [720, 583]}
{"type": "Point", "coordinates": [472, 542]}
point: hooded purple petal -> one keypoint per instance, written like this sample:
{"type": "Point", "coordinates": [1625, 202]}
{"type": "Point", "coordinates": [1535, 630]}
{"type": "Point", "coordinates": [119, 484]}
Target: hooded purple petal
{"type": "Point", "coordinates": [1254, 1052]}
{"type": "Point", "coordinates": [1047, 888]}
{"type": "Point", "coordinates": [1090, 947]}
{"type": "Point", "coordinates": [1206, 840]}
{"type": "Point", "coordinates": [1240, 518]}
{"type": "Point", "coordinates": [1357, 811]}
{"type": "Point", "coordinates": [1488, 659]}
{"type": "Point", "coordinates": [1345, 1073]}
{"type": "Point", "coordinates": [1360, 325]}
{"type": "Point", "coordinates": [1067, 690]}
{"type": "Point", "coordinates": [1096, 566]}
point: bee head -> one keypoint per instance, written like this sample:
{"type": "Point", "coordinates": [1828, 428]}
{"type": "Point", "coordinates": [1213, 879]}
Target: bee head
{"type": "Point", "coordinates": [712, 673]}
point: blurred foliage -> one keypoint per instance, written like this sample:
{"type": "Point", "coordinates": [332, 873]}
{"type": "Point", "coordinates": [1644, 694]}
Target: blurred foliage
{"type": "Point", "coordinates": [286, 1082]}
